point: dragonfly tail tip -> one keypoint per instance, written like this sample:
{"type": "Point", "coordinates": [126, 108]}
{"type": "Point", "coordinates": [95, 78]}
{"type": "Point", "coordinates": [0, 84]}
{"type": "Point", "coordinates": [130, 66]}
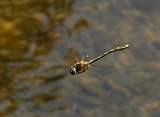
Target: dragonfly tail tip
{"type": "Point", "coordinates": [127, 45]}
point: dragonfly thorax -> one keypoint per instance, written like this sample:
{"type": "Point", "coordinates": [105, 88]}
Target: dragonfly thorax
{"type": "Point", "coordinates": [79, 67]}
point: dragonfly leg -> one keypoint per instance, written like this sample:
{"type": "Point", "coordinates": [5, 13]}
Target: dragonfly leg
{"type": "Point", "coordinates": [77, 59]}
{"type": "Point", "coordinates": [85, 57]}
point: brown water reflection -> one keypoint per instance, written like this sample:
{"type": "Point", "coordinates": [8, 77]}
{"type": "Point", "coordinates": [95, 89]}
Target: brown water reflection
{"type": "Point", "coordinates": [40, 39]}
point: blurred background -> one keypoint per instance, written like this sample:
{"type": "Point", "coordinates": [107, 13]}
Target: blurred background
{"type": "Point", "coordinates": [40, 39]}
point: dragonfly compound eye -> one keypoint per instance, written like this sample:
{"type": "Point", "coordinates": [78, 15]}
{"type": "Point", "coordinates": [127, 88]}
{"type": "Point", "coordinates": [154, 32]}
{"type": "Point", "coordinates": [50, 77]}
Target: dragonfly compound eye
{"type": "Point", "coordinates": [72, 70]}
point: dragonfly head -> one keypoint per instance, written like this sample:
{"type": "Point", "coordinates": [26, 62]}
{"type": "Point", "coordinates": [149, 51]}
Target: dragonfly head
{"type": "Point", "coordinates": [72, 70]}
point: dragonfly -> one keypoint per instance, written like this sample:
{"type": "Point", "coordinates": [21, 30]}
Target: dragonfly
{"type": "Point", "coordinates": [81, 65]}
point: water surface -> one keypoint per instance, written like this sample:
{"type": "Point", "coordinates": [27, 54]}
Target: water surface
{"type": "Point", "coordinates": [40, 39]}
